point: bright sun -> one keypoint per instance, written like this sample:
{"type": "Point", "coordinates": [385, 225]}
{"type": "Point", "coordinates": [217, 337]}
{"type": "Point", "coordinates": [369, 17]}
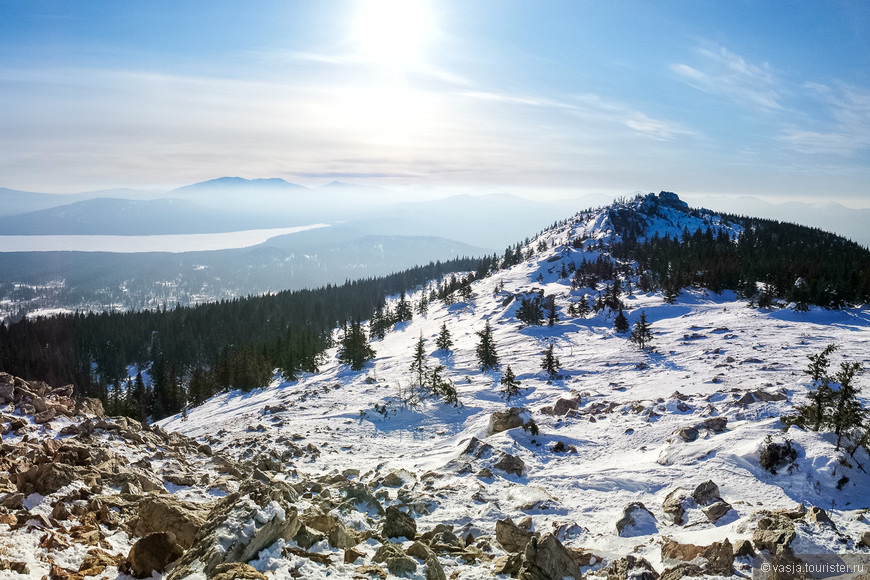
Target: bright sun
{"type": "Point", "coordinates": [393, 33]}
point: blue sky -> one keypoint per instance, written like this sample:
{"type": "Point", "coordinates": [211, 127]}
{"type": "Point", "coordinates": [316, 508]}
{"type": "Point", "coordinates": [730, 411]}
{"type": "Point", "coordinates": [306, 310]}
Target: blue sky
{"type": "Point", "coordinates": [546, 98]}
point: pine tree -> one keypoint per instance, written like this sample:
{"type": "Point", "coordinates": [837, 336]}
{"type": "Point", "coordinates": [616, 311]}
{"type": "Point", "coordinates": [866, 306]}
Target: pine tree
{"type": "Point", "coordinates": [821, 397]}
{"type": "Point", "coordinates": [583, 309]}
{"type": "Point", "coordinates": [552, 317]}
{"type": "Point", "coordinates": [445, 388]}
{"type": "Point", "coordinates": [423, 304]}
{"type": "Point", "coordinates": [620, 323]}
{"type": "Point", "coordinates": [403, 309]}
{"type": "Point", "coordinates": [355, 349]}
{"type": "Point", "coordinates": [641, 335]}
{"type": "Point", "coordinates": [444, 340]}
{"type": "Point", "coordinates": [510, 384]}
{"type": "Point", "coordinates": [550, 363]}
{"type": "Point", "coordinates": [846, 410]}
{"type": "Point", "coordinates": [530, 311]}
{"type": "Point", "coordinates": [486, 354]}
{"type": "Point", "coordinates": [418, 363]}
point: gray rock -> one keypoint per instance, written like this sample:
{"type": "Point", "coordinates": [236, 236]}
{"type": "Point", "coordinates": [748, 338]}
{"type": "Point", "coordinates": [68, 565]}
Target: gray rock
{"type": "Point", "coordinates": [682, 571]}
{"type": "Point", "coordinates": [774, 533]}
{"type": "Point", "coordinates": [688, 434]}
{"type": "Point", "coordinates": [504, 420]}
{"type": "Point", "coordinates": [152, 553]}
{"type": "Point", "coordinates": [865, 539]}
{"type": "Point", "coordinates": [706, 493]}
{"type": "Point", "coordinates": [399, 524]}
{"type": "Point", "coordinates": [674, 505]}
{"type": "Point", "coordinates": [510, 536]}
{"type": "Point", "coordinates": [716, 510]}
{"type": "Point", "coordinates": [717, 424]}
{"type": "Point", "coordinates": [265, 512]}
{"type": "Point", "coordinates": [546, 559]}
{"type": "Point", "coordinates": [819, 516]}
{"type": "Point", "coordinates": [511, 464]}
{"type": "Point", "coordinates": [633, 568]}
{"type": "Point", "coordinates": [159, 513]}
{"type": "Point", "coordinates": [636, 520]}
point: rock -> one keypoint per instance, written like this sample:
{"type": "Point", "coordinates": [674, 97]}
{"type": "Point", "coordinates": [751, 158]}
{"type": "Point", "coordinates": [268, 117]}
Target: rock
{"type": "Point", "coordinates": [152, 553]}
{"type": "Point", "coordinates": [351, 555]}
{"type": "Point", "coordinates": [716, 510]}
{"type": "Point", "coordinates": [717, 558]}
{"type": "Point", "coordinates": [370, 571]}
{"type": "Point", "coordinates": [865, 539]}
{"type": "Point", "coordinates": [743, 548]}
{"type": "Point", "coordinates": [717, 424]}
{"type": "Point", "coordinates": [89, 406]}
{"type": "Point", "coordinates": [681, 571]}
{"type": "Point", "coordinates": [511, 537]}
{"type": "Point", "coordinates": [235, 571]}
{"type": "Point", "coordinates": [636, 520]}
{"type": "Point", "coordinates": [394, 557]}
{"type": "Point", "coordinates": [96, 560]}
{"type": "Point", "coordinates": [674, 505]}
{"type": "Point", "coordinates": [511, 464]}
{"type": "Point", "coordinates": [393, 480]}
{"type": "Point", "coordinates": [633, 568]}
{"type": "Point", "coordinates": [504, 420]}
{"type": "Point", "coordinates": [546, 558]}
{"type": "Point", "coordinates": [434, 571]}
{"type": "Point", "coordinates": [706, 493]}
{"type": "Point", "coordinates": [358, 493]}
{"type": "Point", "coordinates": [477, 448]}
{"type": "Point", "coordinates": [307, 537]}
{"type": "Point", "coordinates": [508, 564]}
{"type": "Point", "coordinates": [240, 525]}
{"type": "Point", "coordinates": [47, 478]}
{"type": "Point", "coordinates": [158, 513]}
{"type": "Point", "coordinates": [399, 524]}
{"type": "Point", "coordinates": [562, 406]}
{"type": "Point", "coordinates": [819, 516]}
{"type": "Point", "coordinates": [775, 534]}
{"type": "Point", "coordinates": [688, 434]}
{"type": "Point", "coordinates": [340, 537]}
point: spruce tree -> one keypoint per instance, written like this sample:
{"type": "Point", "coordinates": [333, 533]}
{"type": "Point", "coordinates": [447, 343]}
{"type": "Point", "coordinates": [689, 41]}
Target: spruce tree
{"type": "Point", "coordinates": [355, 349]}
{"type": "Point", "coordinates": [444, 340]}
{"type": "Point", "coordinates": [550, 363]}
{"type": "Point", "coordinates": [583, 309]}
{"type": "Point", "coordinates": [821, 397]}
{"type": "Point", "coordinates": [847, 412]}
{"type": "Point", "coordinates": [530, 311]}
{"type": "Point", "coordinates": [418, 363]}
{"type": "Point", "coordinates": [403, 309]}
{"type": "Point", "coordinates": [510, 384]}
{"type": "Point", "coordinates": [552, 317]}
{"type": "Point", "coordinates": [486, 354]}
{"type": "Point", "coordinates": [641, 335]}
{"type": "Point", "coordinates": [620, 323]}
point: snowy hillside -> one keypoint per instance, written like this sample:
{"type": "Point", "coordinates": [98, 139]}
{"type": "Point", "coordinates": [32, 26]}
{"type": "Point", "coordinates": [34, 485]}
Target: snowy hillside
{"type": "Point", "coordinates": [637, 424]}
{"type": "Point", "coordinates": [603, 469]}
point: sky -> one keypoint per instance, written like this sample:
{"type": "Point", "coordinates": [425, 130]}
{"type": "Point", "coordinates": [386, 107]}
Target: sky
{"type": "Point", "coordinates": [549, 98]}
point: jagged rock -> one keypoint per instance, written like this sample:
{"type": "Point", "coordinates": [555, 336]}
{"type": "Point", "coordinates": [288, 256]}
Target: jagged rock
{"type": "Point", "coordinates": [13, 501]}
{"type": "Point", "coordinates": [434, 571]}
{"type": "Point", "coordinates": [865, 539]}
{"type": "Point", "coordinates": [743, 548]}
{"type": "Point", "coordinates": [504, 420]}
{"type": "Point", "coordinates": [393, 480]}
{"type": "Point", "coordinates": [152, 553]}
{"type": "Point", "coordinates": [717, 424]}
{"type": "Point", "coordinates": [264, 512]}
{"type": "Point", "coordinates": [716, 510]}
{"type": "Point", "coordinates": [89, 406]}
{"type": "Point", "coordinates": [631, 568]}
{"type": "Point", "coordinates": [167, 514]}
{"type": "Point", "coordinates": [706, 493]}
{"type": "Point", "coordinates": [96, 560]}
{"type": "Point", "coordinates": [681, 571]}
{"type": "Point", "coordinates": [351, 555]}
{"type": "Point", "coordinates": [399, 524]}
{"type": "Point", "coordinates": [360, 493]}
{"type": "Point", "coordinates": [237, 571]}
{"type": "Point", "coordinates": [477, 448]}
{"type": "Point", "coordinates": [307, 537]}
{"type": "Point", "coordinates": [365, 571]}
{"type": "Point", "coordinates": [324, 559]}
{"type": "Point", "coordinates": [511, 464]}
{"type": "Point", "coordinates": [397, 561]}
{"type": "Point", "coordinates": [510, 536]}
{"type": "Point", "coordinates": [7, 393]}
{"type": "Point", "coordinates": [675, 505]}
{"type": "Point", "coordinates": [47, 478]}
{"type": "Point", "coordinates": [636, 520]}
{"type": "Point", "coordinates": [775, 534]}
{"type": "Point", "coordinates": [688, 434]}
{"type": "Point", "coordinates": [340, 537]}
{"type": "Point", "coordinates": [547, 558]}
{"type": "Point", "coordinates": [819, 516]}
{"type": "Point", "coordinates": [508, 564]}
{"type": "Point", "coordinates": [719, 556]}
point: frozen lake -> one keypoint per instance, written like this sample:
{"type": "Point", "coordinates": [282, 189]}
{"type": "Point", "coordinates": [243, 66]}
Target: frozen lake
{"type": "Point", "coordinates": [131, 244]}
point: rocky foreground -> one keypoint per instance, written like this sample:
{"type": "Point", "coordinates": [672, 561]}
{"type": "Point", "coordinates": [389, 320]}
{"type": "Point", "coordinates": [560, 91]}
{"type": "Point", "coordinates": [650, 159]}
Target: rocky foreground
{"type": "Point", "coordinates": [84, 495]}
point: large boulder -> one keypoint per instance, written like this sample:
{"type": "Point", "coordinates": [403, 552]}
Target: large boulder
{"type": "Point", "coordinates": [547, 558]}
{"type": "Point", "coordinates": [151, 554]}
{"type": "Point", "coordinates": [774, 533]}
{"type": "Point", "coordinates": [504, 420]}
{"type": "Point", "coordinates": [157, 513]}
{"type": "Point", "coordinates": [240, 525]}
{"type": "Point", "coordinates": [636, 520]}
{"type": "Point", "coordinates": [707, 496]}
{"type": "Point", "coordinates": [675, 505]}
{"type": "Point", "coordinates": [717, 558]}
{"type": "Point", "coordinates": [631, 568]}
{"type": "Point", "coordinates": [512, 538]}
{"type": "Point", "coordinates": [511, 464]}
{"type": "Point", "coordinates": [398, 524]}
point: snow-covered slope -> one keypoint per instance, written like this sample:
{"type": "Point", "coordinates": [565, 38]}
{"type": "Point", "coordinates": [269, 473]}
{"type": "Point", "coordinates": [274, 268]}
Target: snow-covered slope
{"type": "Point", "coordinates": [642, 427]}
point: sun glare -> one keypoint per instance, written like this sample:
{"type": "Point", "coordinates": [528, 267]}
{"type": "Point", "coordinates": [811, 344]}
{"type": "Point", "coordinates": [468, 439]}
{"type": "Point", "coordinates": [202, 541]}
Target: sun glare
{"type": "Point", "coordinates": [392, 32]}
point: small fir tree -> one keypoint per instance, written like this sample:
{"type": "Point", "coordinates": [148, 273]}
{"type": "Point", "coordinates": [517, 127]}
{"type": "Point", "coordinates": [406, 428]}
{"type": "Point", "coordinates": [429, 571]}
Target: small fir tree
{"type": "Point", "coordinates": [641, 335]}
{"type": "Point", "coordinates": [552, 316]}
{"type": "Point", "coordinates": [355, 349]}
{"type": "Point", "coordinates": [509, 383]}
{"type": "Point", "coordinates": [847, 412]}
{"type": "Point", "coordinates": [486, 353]}
{"type": "Point", "coordinates": [403, 309]}
{"type": "Point", "coordinates": [583, 309]}
{"type": "Point", "coordinates": [550, 363]}
{"type": "Point", "coordinates": [444, 341]}
{"type": "Point", "coordinates": [418, 363]}
{"type": "Point", "coordinates": [530, 311]}
{"type": "Point", "coordinates": [620, 323]}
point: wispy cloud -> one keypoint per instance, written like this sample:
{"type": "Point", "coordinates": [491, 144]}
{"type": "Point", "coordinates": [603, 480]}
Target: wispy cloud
{"type": "Point", "coordinates": [730, 75]}
{"type": "Point", "coordinates": [848, 130]}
